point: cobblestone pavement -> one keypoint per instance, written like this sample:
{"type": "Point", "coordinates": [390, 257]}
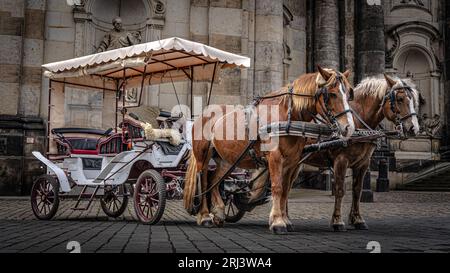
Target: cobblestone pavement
{"type": "Point", "coordinates": [399, 221]}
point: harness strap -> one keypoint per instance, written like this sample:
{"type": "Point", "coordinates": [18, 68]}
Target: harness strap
{"type": "Point", "coordinates": [291, 92]}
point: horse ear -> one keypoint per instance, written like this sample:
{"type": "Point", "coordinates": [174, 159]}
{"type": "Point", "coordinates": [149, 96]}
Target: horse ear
{"type": "Point", "coordinates": [390, 81]}
{"type": "Point", "coordinates": [347, 74]}
{"type": "Point", "coordinates": [325, 74]}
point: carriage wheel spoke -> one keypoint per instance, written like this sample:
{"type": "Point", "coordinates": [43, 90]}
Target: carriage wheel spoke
{"type": "Point", "coordinates": [45, 208]}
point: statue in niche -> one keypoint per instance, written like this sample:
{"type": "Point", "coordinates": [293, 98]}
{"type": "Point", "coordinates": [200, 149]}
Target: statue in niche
{"type": "Point", "coordinates": [118, 37]}
{"type": "Point", "coordinates": [430, 127]}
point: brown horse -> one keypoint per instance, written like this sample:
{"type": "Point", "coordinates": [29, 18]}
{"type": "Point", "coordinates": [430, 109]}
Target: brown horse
{"type": "Point", "coordinates": [324, 94]}
{"type": "Point", "coordinates": [375, 99]}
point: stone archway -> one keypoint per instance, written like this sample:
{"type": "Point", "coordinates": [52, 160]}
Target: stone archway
{"type": "Point", "coordinates": [417, 63]}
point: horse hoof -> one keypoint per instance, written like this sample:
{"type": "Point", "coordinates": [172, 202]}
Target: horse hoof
{"type": "Point", "coordinates": [207, 223]}
{"type": "Point", "coordinates": [290, 228]}
{"type": "Point", "coordinates": [361, 226]}
{"type": "Point", "coordinates": [339, 228]}
{"type": "Point", "coordinates": [218, 222]}
{"type": "Point", "coordinates": [279, 230]}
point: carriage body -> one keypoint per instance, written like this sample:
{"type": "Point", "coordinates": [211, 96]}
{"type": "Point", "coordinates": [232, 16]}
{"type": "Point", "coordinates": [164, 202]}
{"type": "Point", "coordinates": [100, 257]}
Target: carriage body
{"type": "Point", "coordinates": [116, 164]}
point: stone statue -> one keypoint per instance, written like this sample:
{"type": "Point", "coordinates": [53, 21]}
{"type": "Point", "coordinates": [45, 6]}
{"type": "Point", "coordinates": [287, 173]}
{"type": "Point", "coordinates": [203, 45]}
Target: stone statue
{"type": "Point", "coordinates": [431, 127]}
{"type": "Point", "coordinates": [118, 37]}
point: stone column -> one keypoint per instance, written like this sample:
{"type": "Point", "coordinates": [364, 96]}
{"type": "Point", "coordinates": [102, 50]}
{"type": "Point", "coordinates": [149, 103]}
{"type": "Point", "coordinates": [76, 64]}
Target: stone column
{"type": "Point", "coordinates": [370, 40]}
{"type": "Point", "coordinates": [446, 138]}
{"type": "Point", "coordinates": [326, 34]}
{"type": "Point", "coordinates": [268, 46]}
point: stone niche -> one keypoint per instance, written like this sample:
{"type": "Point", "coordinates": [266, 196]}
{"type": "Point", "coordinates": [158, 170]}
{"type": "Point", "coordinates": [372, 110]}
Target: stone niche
{"type": "Point", "coordinates": [93, 19]}
{"type": "Point", "coordinates": [418, 4]}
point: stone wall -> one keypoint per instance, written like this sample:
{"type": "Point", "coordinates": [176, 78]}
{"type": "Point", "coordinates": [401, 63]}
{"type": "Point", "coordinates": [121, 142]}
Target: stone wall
{"type": "Point", "coordinates": [22, 25]}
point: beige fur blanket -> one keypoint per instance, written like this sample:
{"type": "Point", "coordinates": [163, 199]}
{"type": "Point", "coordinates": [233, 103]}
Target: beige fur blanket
{"type": "Point", "coordinates": [172, 135]}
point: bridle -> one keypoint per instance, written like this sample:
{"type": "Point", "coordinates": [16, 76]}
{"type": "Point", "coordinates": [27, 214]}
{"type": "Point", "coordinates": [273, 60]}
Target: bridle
{"type": "Point", "coordinates": [392, 97]}
{"type": "Point", "coordinates": [329, 118]}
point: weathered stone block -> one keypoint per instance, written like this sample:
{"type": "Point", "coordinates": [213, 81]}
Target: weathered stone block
{"type": "Point", "coordinates": [15, 7]}
{"type": "Point", "coordinates": [269, 28]}
{"type": "Point", "coordinates": [58, 51]}
{"type": "Point", "coordinates": [29, 99]}
{"type": "Point", "coordinates": [35, 4]}
{"type": "Point", "coordinates": [225, 42]}
{"type": "Point", "coordinates": [34, 24]}
{"type": "Point", "coordinates": [32, 75]}
{"type": "Point", "coordinates": [59, 19]}
{"type": "Point", "coordinates": [10, 25]}
{"type": "Point", "coordinates": [33, 52]}
{"type": "Point", "coordinates": [269, 7]}
{"type": "Point", "coordinates": [9, 103]}
{"type": "Point", "coordinates": [58, 5]}
{"type": "Point", "coordinates": [199, 3]}
{"type": "Point", "coordinates": [178, 11]}
{"type": "Point", "coordinates": [269, 55]}
{"type": "Point", "coordinates": [9, 73]}
{"type": "Point", "coordinates": [225, 21]}
{"type": "Point", "coordinates": [204, 39]}
{"type": "Point", "coordinates": [199, 19]}
{"type": "Point", "coordinates": [10, 49]}
{"type": "Point", "coordinates": [236, 4]}
{"type": "Point", "coordinates": [61, 34]}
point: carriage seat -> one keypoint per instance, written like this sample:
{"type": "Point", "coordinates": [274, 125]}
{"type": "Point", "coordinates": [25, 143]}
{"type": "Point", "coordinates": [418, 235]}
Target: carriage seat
{"type": "Point", "coordinates": [172, 135]}
{"type": "Point", "coordinates": [169, 149]}
{"type": "Point", "coordinates": [79, 141]}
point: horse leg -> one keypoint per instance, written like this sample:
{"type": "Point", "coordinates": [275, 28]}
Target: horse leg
{"type": "Point", "coordinates": [340, 170]}
{"type": "Point", "coordinates": [203, 216]}
{"type": "Point", "coordinates": [218, 206]}
{"type": "Point", "coordinates": [276, 221]}
{"type": "Point", "coordinates": [355, 218]}
{"type": "Point", "coordinates": [291, 176]}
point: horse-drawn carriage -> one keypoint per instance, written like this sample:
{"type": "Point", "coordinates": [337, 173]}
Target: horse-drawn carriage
{"type": "Point", "coordinates": [136, 157]}
{"type": "Point", "coordinates": [149, 160]}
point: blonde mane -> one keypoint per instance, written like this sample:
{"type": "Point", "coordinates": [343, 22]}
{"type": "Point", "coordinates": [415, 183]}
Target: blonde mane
{"type": "Point", "coordinates": [377, 88]}
{"type": "Point", "coordinates": [307, 84]}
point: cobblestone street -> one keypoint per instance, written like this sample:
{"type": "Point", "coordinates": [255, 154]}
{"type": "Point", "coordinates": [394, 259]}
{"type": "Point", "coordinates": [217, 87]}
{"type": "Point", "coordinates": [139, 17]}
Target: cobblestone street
{"type": "Point", "coordinates": [399, 221]}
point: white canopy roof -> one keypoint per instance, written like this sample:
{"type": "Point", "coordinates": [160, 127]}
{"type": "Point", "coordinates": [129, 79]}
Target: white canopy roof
{"type": "Point", "coordinates": [155, 62]}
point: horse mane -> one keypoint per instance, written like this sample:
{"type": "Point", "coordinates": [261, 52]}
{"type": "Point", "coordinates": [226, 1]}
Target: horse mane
{"type": "Point", "coordinates": [307, 84]}
{"type": "Point", "coordinates": [377, 87]}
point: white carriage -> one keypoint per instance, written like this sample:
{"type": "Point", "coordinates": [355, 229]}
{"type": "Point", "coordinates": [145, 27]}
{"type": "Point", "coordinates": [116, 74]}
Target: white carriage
{"type": "Point", "coordinates": [133, 158]}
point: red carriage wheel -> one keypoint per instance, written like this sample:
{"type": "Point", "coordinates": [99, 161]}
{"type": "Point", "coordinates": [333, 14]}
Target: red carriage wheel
{"type": "Point", "coordinates": [150, 197]}
{"type": "Point", "coordinates": [45, 197]}
{"type": "Point", "coordinates": [114, 201]}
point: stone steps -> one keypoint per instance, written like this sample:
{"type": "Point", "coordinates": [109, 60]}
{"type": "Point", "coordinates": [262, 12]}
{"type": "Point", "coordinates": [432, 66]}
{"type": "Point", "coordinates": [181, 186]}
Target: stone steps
{"type": "Point", "coordinates": [437, 180]}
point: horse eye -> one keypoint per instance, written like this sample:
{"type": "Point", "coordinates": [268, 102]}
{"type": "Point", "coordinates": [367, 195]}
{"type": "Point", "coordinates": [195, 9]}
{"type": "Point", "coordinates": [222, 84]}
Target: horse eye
{"type": "Point", "coordinates": [400, 100]}
{"type": "Point", "coordinates": [333, 96]}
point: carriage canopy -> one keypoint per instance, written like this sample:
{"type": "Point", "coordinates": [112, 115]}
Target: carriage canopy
{"type": "Point", "coordinates": [162, 61]}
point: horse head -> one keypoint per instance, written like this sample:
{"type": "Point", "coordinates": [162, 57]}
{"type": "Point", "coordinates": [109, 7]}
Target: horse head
{"type": "Point", "coordinates": [332, 99]}
{"type": "Point", "coordinates": [401, 104]}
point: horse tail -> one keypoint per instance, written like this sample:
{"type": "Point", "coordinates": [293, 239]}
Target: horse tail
{"type": "Point", "coordinates": [190, 183]}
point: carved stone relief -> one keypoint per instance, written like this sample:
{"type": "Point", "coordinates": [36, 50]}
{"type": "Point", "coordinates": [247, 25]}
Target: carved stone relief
{"type": "Point", "coordinates": [420, 4]}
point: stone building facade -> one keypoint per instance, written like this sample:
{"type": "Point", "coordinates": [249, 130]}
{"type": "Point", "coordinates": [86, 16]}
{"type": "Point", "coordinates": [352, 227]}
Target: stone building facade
{"type": "Point", "coordinates": [284, 39]}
